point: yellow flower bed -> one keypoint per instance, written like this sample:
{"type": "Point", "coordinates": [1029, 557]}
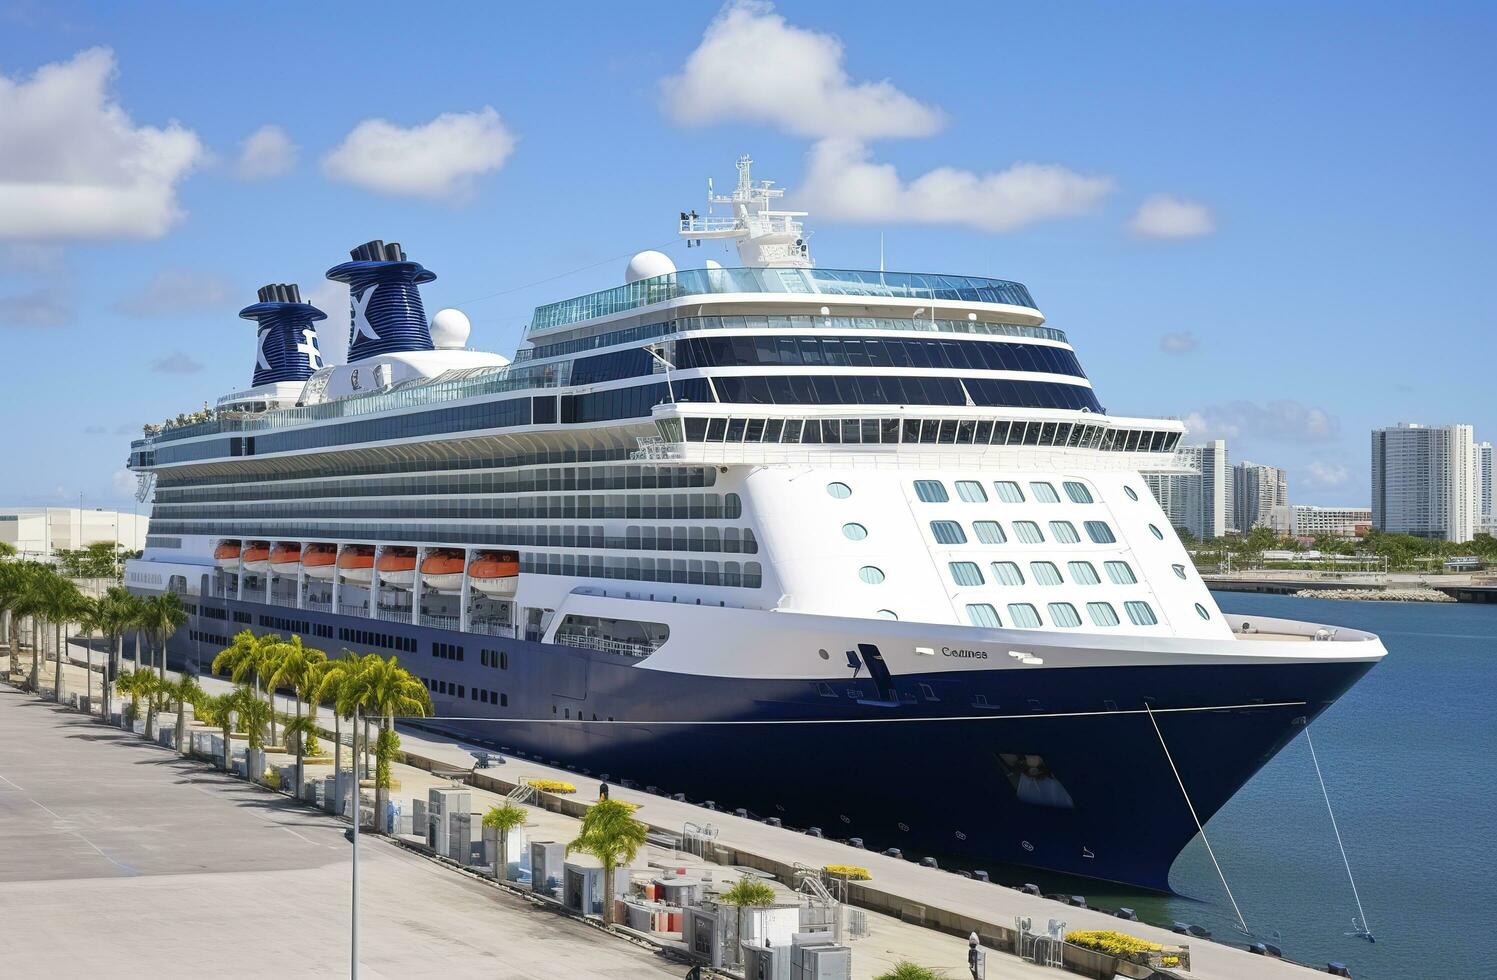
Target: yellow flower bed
{"type": "Point", "coordinates": [1112, 943]}
{"type": "Point", "coordinates": [849, 871]}
{"type": "Point", "coordinates": [551, 786]}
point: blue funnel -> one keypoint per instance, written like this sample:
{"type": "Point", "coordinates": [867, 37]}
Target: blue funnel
{"type": "Point", "coordinates": [286, 349]}
{"type": "Point", "coordinates": [387, 315]}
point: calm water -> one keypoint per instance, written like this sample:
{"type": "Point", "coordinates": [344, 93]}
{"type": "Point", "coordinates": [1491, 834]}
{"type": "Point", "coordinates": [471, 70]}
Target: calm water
{"type": "Point", "coordinates": [1410, 759]}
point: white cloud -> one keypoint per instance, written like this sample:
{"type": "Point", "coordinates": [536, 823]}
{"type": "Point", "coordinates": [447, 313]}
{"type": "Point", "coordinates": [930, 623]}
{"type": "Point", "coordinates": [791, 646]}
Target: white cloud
{"type": "Point", "coordinates": [20, 260]}
{"type": "Point", "coordinates": [1276, 421]}
{"type": "Point", "coordinates": [73, 165]}
{"type": "Point", "coordinates": [843, 182]}
{"type": "Point", "coordinates": [332, 334]}
{"type": "Point", "coordinates": [176, 363]}
{"type": "Point", "coordinates": [124, 483]}
{"type": "Point", "coordinates": [37, 308]}
{"type": "Point", "coordinates": [265, 153]}
{"type": "Point", "coordinates": [439, 160]}
{"type": "Point", "coordinates": [753, 66]}
{"type": "Point", "coordinates": [1178, 342]}
{"type": "Point", "coordinates": [1164, 216]}
{"type": "Point", "coordinates": [178, 291]}
{"type": "Point", "coordinates": [1323, 474]}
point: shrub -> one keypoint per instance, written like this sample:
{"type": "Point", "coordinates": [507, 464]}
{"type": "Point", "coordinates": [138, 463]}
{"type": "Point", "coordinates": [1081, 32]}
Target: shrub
{"type": "Point", "coordinates": [272, 779]}
{"type": "Point", "coordinates": [849, 871]}
{"type": "Point", "coordinates": [1112, 943]}
{"type": "Point", "coordinates": [551, 786]}
{"type": "Point", "coordinates": [749, 891]}
{"type": "Point", "coordinates": [905, 970]}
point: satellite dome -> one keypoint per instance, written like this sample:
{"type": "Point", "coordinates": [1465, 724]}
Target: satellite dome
{"type": "Point", "coordinates": [647, 265]}
{"type": "Point", "coordinates": [450, 329]}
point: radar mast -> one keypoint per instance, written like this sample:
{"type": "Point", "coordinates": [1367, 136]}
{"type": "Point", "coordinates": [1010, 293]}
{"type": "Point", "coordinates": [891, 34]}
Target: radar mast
{"type": "Point", "coordinates": [766, 238]}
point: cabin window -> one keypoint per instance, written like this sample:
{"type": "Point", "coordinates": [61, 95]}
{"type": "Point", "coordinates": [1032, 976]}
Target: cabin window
{"type": "Point", "coordinates": [983, 614]}
{"type": "Point", "coordinates": [1083, 572]}
{"type": "Point", "coordinates": [871, 574]}
{"type": "Point", "coordinates": [931, 491]}
{"type": "Point", "coordinates": [1008, 491]}
{"type": "Point", "coordinates": [1023, 615]}
{"type": "Point", "coordinates": [948, 532]}
{"type": "Point", "coordinates": [1045, 573]}
{"type": "Point", "coordinates": [1064, 532]}
{"type": "Point", "coordinates": [1099, 532]}
{"type": "Point", "coordinates": [989, 532]}
{"type": "Point", "coordinates": [1141, 613]}
{"type": "Point", "coordinates": [965, 573]}
{"type": "Point", "coordinates": [1121, 573]}
{"type": "Point", "coordinates": [971, 491]}
{"type": "Point", "coordinates": [1007, 573]}
{"type": "Point", "coordinates": [1102, 613]}
{"type": "Point", "coordinates": [1044, 492]}
{"type": "Point", "coordinates": [1028, 532]}
{"type": "Point", "coordinates": [1064, 614]}
{"type": "Point", "coordinates": [1078, 492]}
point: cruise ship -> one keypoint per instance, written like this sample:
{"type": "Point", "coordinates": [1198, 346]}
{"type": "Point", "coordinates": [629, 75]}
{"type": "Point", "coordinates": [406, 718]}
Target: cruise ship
{"type": "Point", "coordinates": [854, 550]}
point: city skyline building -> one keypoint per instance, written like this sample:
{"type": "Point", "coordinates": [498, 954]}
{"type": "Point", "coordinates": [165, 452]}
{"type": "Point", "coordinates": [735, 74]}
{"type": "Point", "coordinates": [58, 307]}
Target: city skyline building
{"type": "Point", "coordinates": [1338, 522]}
{"type": "Point", "coordinates": [1199, 502]}
{"type": "Point", "coordinates": [1426, 481]}
{"type": "Point", "coordinates": [41, 532]}
{"type": "Point", "coordinates": [1260, 497]}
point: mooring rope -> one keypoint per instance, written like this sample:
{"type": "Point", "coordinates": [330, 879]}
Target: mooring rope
{"type": "Point", "coordinates": [1361, 914]}
{"type": "Point", "coordinates": [1199, 829]}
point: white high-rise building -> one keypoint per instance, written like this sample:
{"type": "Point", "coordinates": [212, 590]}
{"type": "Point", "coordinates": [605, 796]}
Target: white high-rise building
{"type": "Point", "coordinates": [1486, 512]}
{"type": "Point", "coordinates": [41, 532]}
{"type": "Point", "coordinates": [1337, 522]}
{"type": "Point", "coordinates": [1200, 502]}
{"type": "Point", "coordinates": [1426, 481]}
{"type": "Point", "coordinates": [1260, 497]}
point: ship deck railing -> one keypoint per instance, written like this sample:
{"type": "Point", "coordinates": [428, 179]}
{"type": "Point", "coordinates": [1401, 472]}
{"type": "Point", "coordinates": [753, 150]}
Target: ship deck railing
{"type": "Point", "coordinates": [604, 644]}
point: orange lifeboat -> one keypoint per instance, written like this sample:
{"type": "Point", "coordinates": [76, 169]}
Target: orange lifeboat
{"type": "Point", "coordinates": [357, 564]}
{"type": "Point", "coordinates": [319, 561]}
{"type": "Point", "coordinates": [257, 557]}
{"type": "Point", "coordinates": [285, 558]}
{"type": "Point", "coordinates": [495, 573]}
{"type": "Point", "coordinates": [442, 571]}
{"type": "Point", "coordinates": [227, 555]}
{"type": "Point", "coordinates": [397, 567]}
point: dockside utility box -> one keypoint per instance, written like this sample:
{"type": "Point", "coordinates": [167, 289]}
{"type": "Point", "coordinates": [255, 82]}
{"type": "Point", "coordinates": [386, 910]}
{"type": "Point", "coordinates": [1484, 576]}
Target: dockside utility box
{"type": "Point", "coordinates": [819, 961]}
{"type": "Point", "coordinates": [582, 889]}
{"type": "Point", "coordinates": [682, 890]}
{"type": "Point", "coordinates": [765, 962]}
{"type": "Point", "coordinates": [450, 823]}
{"type": "Point", "coordinates": [702, 932]}
{"type": "Point", "coordinates": [546, 861]}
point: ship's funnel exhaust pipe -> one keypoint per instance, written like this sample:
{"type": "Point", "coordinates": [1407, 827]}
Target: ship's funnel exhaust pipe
{"type": "Point", "coordinates": [385, 311]}
{"type": "Point", "coordinates": [286, 343]}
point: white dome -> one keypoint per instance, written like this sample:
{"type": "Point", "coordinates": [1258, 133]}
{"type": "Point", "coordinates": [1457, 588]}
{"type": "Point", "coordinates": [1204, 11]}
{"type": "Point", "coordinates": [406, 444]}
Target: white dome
{"type": "Point", "coordinates": [713, 265]}
{"type": "Point", "coordinates": [450, 329]}
{"type": "Point", "coordinates": [648, 265]}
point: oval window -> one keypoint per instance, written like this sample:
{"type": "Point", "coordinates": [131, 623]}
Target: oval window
{"type": "Point", "coordinates": [1156, 532]}
{"type": "Point", "coordinates": [887, 614]}
{"type": "Point", "coordinates": [1129, 491]}
{"type": "Point", "coordinates": [854, 532]}
{"type": "Point", "coordinates": [1201, 611]}
{"type": "Point", "coordinates": [839, 490]}
{"type": "Point", "coordinates": [1179, 571]}
{"type": "Point", "coordinates": [871, 574]}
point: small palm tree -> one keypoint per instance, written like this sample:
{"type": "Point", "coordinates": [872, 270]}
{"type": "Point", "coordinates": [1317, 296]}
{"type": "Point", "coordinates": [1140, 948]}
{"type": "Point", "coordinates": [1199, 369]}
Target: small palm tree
{"type": "Point", "coordinates": [165, 615]}
{"type": "Point", "coordinates": [503, 819]}
{"type": "Point", "coordinates": [254, 715]}
{"type": "Point", "coordinates": [137, 684]}
{"type": "Point", "coordinates": [246, 660]}
{"type": "Point", "coordinates": [218, 710]}
{"type": "Point", "coordinates": [182, 692]}
{"type": "Point", "coordinates": [64, 602]}
{"type": "Point", "coordinates": [293, 665]}
{"type": "Point", "coordinates": [905, 970]}
{"type": "Point", "coordinates": [749, 891]}
{"type": "Point", "coordinates": [299, 732]}
{"type": "Point", "coordinates": [90, 620]}
{"type": "Point", "coordinates": [385, 690]}
{"type": "Point", "coordinates": [612, 835]}
{"type": "Point", "coordinates": [27, 601]}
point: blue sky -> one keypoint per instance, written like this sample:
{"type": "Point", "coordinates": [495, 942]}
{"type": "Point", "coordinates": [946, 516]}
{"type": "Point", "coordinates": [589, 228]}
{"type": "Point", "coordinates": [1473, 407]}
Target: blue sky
{"type": "Point", "coordinates": [1274, 220]}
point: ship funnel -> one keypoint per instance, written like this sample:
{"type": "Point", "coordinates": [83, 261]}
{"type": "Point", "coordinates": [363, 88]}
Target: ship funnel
{"type": "Point", "coordinates": [384, 304]}
{"type": "Point", "coordinates": [286, 347]}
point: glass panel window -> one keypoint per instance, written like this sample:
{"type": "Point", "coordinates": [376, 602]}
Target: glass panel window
{"type": "Point", "coordinates": [1044, 572]}
{"type": "Point", "coordinates": [1028, 532]}
{"type": "Point", "coordinates": [1141, 613]}
{"type": "Point", "coordinates": [1023, 615]}
{"type": "Point", "coordinates": [871, 574]}
{"type": "Point", "coordinates": [854, 532]}
{"type": "Point", "coordinates": [1064, 532]}
{"type": "Point", "coordinates": [1008, 491]}
{"type": "Point", "coordinates": [1179, 571]}
{"type": "Point", "coordinates": [982, 614]}
{"type": "Point", "coordinates": [971, 491]}
{"type": "Point", "coordinates": [1156, 532]}
{"type": "Point", "coordinates": [1102, 613]}
{"type": "Point", "coordinates": [1099, 532]}
{"type": "Point", "coordinates": [1121, 573]}
{"type": "Point", "coordinates": [1044, 492]}
{"type": "Point", "coordinates": [1007, 573]}
{"type": "Point", "coordinates": [1083, 572]}
{"type": "Point", "coordinates": [948, 532]}
{"type": "Point", "coordinates": [1078, 492]}
{"type": "Point", "coordinates": [989, 532]}
{"type": "Point", "coordinates": [1201, 611]}
{"type": "Point", "coordinates": [965, 573]}
{"type": "Point", "coordinates": [931, 491]}
{"type": "Point", "coordinates": [1064, 614]}
{"type": "Point", "coordinates": [839, 490]}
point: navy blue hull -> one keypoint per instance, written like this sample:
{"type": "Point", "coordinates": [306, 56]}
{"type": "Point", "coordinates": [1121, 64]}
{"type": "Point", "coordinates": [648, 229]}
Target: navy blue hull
{"type": "Point", "coordinates": [984, 766]}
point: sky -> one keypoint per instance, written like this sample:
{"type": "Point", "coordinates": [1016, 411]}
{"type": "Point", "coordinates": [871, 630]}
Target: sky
{"type": "Point", "coordinates": [1273, 220]}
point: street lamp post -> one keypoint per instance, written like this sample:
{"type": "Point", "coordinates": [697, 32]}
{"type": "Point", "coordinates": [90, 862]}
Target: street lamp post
{"type": "Point", "coordinates": [353, 948]}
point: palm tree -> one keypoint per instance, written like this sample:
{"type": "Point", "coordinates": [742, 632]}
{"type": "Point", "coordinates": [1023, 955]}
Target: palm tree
{"type": "Point", "coordinates": [165, 615]}
{"type": "Point", "coordinates": [90, 618]}
{"type": "Point", "coordinates": [384, 690]}
{"type": "Point", "coordinates": [503, 819]}
{"type": "Point", "coordinates": [183, 691]}
{"type": "Point", "coordinates": [114, 612]}
{"type": "Point", "coordinates": [137, 684]}
{"type": "Point", "coordinates": [30, 602]}
{"type": "Point", "coordinates": [138, 613]}
{"type": "Point", "coordinates": [246, 659]}
{"type": "Point", "coordinates": [332, 686]}
{"type": "Point", "coordinates": [12, 578]}
{"type": "Point", "coordinates": [219, 710]}
{"type": "Point", "coordinates": [292, 666]}
{"type": "Point", "coordinates": [254, 714]}
{"type": "Point", "coordinates": [63, 600]}
{"type": "Point", "coordinates": [300, 733]}
{"type": "Point", "coordinates": [612, 835]}
{"type": "Point", "coordinates": [19, 600]}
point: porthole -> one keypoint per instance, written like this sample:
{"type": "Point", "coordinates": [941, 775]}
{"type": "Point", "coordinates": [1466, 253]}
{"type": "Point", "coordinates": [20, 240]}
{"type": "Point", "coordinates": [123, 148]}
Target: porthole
{"type": "Point", "coordinates": [1201, 611]}
{"type": "Point", "coordinates": [1179, 571]}
{"type": "Point", "coordinates": [871, 574]}
{"type": "Point", "coordinates": [1156, 532]}
{"type": "Point", "coordinates": [823, 655]}
{"type": "Point", "coordinates": [1130, 492]}
{"type": "Point", "coordinates": [839, 490]}
{"type": "Point", "coordinates": [854, 532]}
{"type": "Point", "coordinates": [887, 614]}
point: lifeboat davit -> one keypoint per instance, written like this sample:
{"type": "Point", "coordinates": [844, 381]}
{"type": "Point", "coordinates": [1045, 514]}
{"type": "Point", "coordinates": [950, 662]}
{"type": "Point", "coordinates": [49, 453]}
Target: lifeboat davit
{"type": "Point", "coordinates": [227, 555]}
{"type": "Point", "coordinates": [397, 568]}
{"type": "Point", "coordinates": [357, 564]}
{"type": "Point", "coordinates": [442, 571]}
{"type": "Point", "coordinates": [257, 557]}
{"type": "Point", "coordinates": [495, 573]}
{"type": "Point", "coordinates": [319, 561]}
{"type": "Point", "coordinates": [285, 558]}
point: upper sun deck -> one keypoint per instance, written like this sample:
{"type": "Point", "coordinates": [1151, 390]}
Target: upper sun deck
{"type": "Point", "coordinates": [789, 283]}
